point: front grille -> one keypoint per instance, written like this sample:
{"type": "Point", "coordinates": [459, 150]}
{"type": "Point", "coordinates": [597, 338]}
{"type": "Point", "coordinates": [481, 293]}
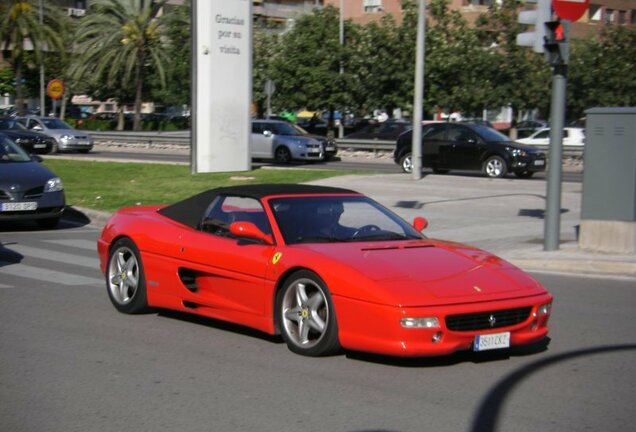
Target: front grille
{"type": "Point", "coordinates": [487, 320]}
{"type": "Point", "coordinates": [33, 193]}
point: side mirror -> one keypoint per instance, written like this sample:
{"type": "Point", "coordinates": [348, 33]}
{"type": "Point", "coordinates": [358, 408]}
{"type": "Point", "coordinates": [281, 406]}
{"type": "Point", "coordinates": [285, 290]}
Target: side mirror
{"type": "Point", "coordinates": [36, 158]}
{"type": "Point", "coordinates": [267, 133]}
{"type": "Point", "coordinates": [420, 224]}
{"type": "Point", "coordinates": [250, 231]}
{"type": "Point", "coordinates": [36, 128]}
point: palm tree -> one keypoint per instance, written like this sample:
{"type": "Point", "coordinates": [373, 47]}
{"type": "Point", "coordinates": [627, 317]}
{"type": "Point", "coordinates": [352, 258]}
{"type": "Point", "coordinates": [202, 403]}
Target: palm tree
{"type": "Point", "coordinates": [21, 33]}
{"type": "Point", "coordinates": [118, 40]}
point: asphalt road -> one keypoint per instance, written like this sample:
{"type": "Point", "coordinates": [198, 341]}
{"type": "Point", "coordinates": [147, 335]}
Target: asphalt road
{"type": "Point", "coordinates": [350, 163]}
{"type": "Point", "coordinates": [70, 362]}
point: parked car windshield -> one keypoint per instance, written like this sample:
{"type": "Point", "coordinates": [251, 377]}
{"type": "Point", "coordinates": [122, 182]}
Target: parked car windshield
{"type": "Point", "coordinates": [11, 124]}
{"type": "Point", "coordinates": [334, 219]}
{"type": "Point", "coordinates": [11, 152]}
{"type": "Point", "coordinates": [490, 134]}
{"type": "Point", "coordinates": [54, 123]}
{"type": "Point", "coordinates": [287, 129]}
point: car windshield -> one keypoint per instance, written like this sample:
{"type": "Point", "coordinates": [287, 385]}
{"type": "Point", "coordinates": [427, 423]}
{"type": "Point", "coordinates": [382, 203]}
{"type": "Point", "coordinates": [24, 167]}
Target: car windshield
{"type": "Point", "coordinates": [11, 152]}
{"type": "Point", "coordinates": [490, 134]}
{"type": "Point", "coordinates": [54, 123]}
{"type": "Point", "coordinates": [336, 219]}
{"type": "Point", "coordinates": [285, 128]}
{"type": "Point", "coordinates": [11, 124]}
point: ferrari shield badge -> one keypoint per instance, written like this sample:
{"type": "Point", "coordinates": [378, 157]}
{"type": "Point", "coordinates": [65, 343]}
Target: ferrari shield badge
{"type": "Point", "coordinates": [277, 256]}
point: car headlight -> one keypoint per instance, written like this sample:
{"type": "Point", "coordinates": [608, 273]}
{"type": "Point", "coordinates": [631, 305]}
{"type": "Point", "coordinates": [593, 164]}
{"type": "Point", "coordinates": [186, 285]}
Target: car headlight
{"type": "Point", "coordinates": [544, 309]}
{"type": "Point", "coordinates": [300, 144]}
{"type": "Point", "coordinates": [519, 152]}
{"type": "Point", "coordinates": [54, 185]}
{"type": "Point", "coordinates": [424, 322]}
{"type": "Point", "coordinates": [67, 137]}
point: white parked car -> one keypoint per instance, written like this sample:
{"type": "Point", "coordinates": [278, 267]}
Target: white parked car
{"type": "Point", "coordinates": [572, 136]}
{"type": "Point", "coordinates": [65, 136]}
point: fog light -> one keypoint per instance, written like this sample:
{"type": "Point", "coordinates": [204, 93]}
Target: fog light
{"type": "Point", "coordinates": [437, 337]}
{"type": "Point", "coordinates": [426, 322]}
{"type": "Point", "coordinates": [534, 325]}
{"type": "Point", "coordinates": [543, 310]}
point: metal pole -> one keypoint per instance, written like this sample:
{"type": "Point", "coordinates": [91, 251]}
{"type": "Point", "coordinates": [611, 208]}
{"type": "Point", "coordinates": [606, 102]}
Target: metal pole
{"type": "Point", "coordinates": [341, 126]}
{"type": "Point", "coordinates": [42, 100]}
{"type": "Point", "coordinates": [416, 145]}
{"type": "Point", "coordinates": [553, 194]}
{"type": "Point", "coordinates": [193, 86]}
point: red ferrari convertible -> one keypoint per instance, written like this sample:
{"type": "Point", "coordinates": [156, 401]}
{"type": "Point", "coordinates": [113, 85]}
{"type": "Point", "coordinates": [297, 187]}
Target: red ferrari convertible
{"type": "Point", "coordinates": [326, 268]}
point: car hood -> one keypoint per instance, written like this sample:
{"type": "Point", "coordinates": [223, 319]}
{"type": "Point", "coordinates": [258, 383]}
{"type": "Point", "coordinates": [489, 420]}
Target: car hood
{"type": "Point", "coordinates": [25, 175]}
{"type": "Point", "coordinates": [62, 132]}
{"type": "Point", "coordinates": [427, 272]}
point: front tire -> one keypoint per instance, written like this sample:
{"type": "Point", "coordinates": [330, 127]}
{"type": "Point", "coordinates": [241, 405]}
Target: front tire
{"type": "Point", "coordinates": [307, 318]}
{"type": "Point", "coordinates": [125, 280]}
{"type": "Point", "coordinates": [282, 155]}
{"type": "Point", "coordinates": [495, 167]}
{"type": "Point", "coordinates": [406, 163]}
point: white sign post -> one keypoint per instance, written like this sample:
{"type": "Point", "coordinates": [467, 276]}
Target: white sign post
{"type": "Point", "coordinates": [221, 85]}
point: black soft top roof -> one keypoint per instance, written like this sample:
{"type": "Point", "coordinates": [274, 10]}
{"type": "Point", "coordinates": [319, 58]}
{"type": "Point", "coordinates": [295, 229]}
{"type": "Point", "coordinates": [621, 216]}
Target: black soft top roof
{"type": "Point", "coordinates": [190, 210]}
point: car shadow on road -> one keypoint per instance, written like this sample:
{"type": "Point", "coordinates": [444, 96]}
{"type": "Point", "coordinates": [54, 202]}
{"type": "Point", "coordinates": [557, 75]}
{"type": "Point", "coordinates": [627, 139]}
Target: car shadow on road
{"type": "Point", "coordinates": [7, 256]}
{"type": "Point", "coordinates": [71, 218]}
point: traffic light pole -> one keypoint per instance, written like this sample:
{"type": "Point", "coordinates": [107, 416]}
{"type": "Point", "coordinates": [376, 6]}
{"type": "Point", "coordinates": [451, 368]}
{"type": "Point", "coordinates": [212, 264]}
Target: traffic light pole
{"type": "Point", "coordinates": [552, 227]}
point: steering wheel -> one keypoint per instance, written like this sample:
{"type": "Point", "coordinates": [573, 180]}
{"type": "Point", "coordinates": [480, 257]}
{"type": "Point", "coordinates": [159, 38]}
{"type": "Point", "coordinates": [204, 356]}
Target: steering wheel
{"type": "Point", "coordinates": [365, 229]}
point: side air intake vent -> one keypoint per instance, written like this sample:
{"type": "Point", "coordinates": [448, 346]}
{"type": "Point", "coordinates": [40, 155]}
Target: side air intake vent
{"type": "Point", "coordinates": [188, 278]}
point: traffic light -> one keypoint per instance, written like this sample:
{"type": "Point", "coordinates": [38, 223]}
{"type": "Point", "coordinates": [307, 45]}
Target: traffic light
{"type": "Point", "coordinates": [557, 42]}
{"type": "Point", "coordinates": [537, 18]}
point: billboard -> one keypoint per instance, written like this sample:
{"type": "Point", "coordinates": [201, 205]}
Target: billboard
{"type": "Point", "coordinates": [221, 85]}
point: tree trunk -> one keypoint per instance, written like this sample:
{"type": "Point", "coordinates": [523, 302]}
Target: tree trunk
{"type": "Point", "coordinates": [138, 93]}
{"type": "Point", "coordinates": [19, 96]}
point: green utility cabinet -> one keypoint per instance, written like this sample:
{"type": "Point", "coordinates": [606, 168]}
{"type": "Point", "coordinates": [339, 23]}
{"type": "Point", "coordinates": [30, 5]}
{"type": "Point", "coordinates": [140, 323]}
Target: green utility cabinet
{"type": "Point", "coordinates": [608, 206]}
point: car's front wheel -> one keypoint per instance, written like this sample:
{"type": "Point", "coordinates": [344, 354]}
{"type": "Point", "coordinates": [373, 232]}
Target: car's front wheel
{"type": "Point", "coordinates": [495, 167]}
{"type": "Point", "coordinates": [406, 163]}
{"type": "Point", "coordinates": [282, 155]}
{"type": "Point", "coordinates": [307, 319]}
{"type": "Point", "coordinates": [125, 278]}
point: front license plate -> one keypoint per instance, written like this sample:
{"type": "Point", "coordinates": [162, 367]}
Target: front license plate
{"type": "Point", "coordinates": [19, 206]}
{"type": "Point", "coordinates": [539, 162]}
{"type": "Point", "coordinates": [492, 341]}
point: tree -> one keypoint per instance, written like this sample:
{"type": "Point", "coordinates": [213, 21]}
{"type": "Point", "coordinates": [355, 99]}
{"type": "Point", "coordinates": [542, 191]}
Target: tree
{"type": "Point", "coordinates": [307, 68]}
{"type": "Point", "coordinates": [266, 47]}
{"type": "Point", "coordinates": [22, 35]}
{"type": "Point", "coordinates": [602, 70]}
{"type": "Point", "coordinates": [118, 40]}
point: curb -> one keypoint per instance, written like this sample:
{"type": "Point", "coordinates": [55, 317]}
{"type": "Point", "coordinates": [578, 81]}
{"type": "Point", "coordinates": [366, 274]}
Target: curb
{"type": "Point", "coordinates": [578, 267]}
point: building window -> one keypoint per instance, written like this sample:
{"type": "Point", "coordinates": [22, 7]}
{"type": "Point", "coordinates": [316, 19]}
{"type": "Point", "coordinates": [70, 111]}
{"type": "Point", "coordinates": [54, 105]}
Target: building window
{"type": "Point", "coordinates": [621, 17]}
{"type": "Point", "coordinates": [595, 12]}
{"type": "Point", "coordinates": [632, 18]}
{"type": "Point", "coordinates": [610, 15]}
{"type": "Point", "coordinates": [372, 6]}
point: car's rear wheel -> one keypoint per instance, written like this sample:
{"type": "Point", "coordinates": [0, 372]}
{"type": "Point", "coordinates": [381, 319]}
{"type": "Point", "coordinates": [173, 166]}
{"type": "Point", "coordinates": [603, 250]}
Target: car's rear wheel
{"type": "Point", "coordinates": [125, 278]}
{"type": "Point", "coordinates": [307, 319]}
{"type": "Point", "coordinates": [495, 167]}
{"type": "Point", "coordinates": [282, 155]}
{"type": "Point", "coordinates": [406, 163]}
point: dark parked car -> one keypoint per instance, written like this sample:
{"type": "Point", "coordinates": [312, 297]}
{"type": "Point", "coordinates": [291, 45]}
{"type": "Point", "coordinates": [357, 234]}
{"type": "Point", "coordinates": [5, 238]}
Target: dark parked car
{"type": "Point", "coordinates": [388, 131]}
{"type": "Point", "coordinates": [458, 146]}
{"type": "Point", "coordinates": [28, 190]}
{"type": "Point", "coordinates": [32, 142]}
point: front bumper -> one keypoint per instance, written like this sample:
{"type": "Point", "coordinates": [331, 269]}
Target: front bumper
{"type": "Point", "coordinates": [49, 205]}
{"type": "Point", "coordinates": [532, 163]}
{"type": "Point", "coordinates": [382, 333]}
{"type": "Point", "coordinates": [74, 144]}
